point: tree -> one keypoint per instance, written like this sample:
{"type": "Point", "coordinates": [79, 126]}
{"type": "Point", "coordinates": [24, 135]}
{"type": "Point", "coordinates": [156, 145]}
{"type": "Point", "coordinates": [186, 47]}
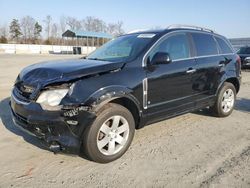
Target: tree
{"type": "Point", "coordinates": [3, 40]}
{"type": "Point", "coordinates": [54, 33]}
{"type": "Point", "coordinates": [4, 31]}
{"type": "Point", "coordinates": [15, 30]}
{"type": "Point", "coordinates": [115, 29]}
{"type": "Point", "coordinates": [94, 24]}
{"type": "Point", "coordinates": [28, 27]}
{"type": "Point", "coordinates": [73, 23]}
{"type": "Point", "coordinates": [48, 21]}
{"type": "Point", "coordinates": [63, 24]}
{"type": "Point", "coordinates": [37, 31]}
{"type": "Point", "coordinates": [3, 34]}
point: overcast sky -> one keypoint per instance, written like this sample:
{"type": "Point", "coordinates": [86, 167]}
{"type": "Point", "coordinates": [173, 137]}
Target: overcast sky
{"type": "Point", "coordinates": [227, 17]}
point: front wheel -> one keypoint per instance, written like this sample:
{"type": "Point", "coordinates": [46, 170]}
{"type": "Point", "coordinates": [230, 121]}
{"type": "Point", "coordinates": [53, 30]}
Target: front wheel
{"type": "Point", "coordinates": [110, 135]}
{"type": "Point", "coordinates": [225, 100]}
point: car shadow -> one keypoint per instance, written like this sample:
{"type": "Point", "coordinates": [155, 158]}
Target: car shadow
{"type": "Point", "coordinates": [5, 115]}
{"type": "Point", "coordinates": [204, 112]}
{"type": "Point", "coordinates": [242, 105]}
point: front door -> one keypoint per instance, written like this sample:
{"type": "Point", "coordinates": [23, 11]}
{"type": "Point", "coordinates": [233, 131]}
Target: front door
{"type": "Point", "coordinates": [169, 86]}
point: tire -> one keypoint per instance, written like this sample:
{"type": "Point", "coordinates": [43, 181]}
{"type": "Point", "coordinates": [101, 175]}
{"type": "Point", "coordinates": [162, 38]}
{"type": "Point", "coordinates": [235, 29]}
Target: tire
{"type": "Point", "coordinates": [225, 101]}
{"type": "Point", "coordinates": [107, 140]}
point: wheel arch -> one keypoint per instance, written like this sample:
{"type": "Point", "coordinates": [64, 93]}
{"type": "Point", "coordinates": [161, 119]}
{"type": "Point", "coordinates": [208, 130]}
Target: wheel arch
{"type": "Point", "coordinates": [232, 80]}
{"type": "Point", "coordinates": [119, 95]}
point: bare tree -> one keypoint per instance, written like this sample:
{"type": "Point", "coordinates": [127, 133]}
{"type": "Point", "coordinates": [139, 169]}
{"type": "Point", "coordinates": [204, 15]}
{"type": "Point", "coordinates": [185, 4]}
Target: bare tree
{"type": "Point", "coordinates": [28, 27]}
{"type": "Point", "coordinates": [73, 23]}
{"type": "Point", "coordinates": [48, 22]}
{"type": "Point", "coordinates": [4, 34]}
{"type": "Point", "coordinates": [115, 29]}
{"type": "Point", "coordinates": [4, 31]}
{"type": "Point", "coordinates": [63, 24]}
{"type": "Point", "coordinates": [94, 24]}
{"type": "Point", "coordinates": [31, 29]}
{"type": "Point", "coordinates": [54, 33]}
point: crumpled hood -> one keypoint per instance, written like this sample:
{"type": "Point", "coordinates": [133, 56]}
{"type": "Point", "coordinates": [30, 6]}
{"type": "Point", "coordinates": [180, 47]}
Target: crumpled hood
{"type": "Point", "coordinates": [65, 70]}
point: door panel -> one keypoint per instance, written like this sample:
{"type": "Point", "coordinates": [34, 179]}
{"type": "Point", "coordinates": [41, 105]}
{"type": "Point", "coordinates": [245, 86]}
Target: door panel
{"type": "Point", "coordinates": [170, 85]}
{"type": "Point", "coordinates": [209, 66]}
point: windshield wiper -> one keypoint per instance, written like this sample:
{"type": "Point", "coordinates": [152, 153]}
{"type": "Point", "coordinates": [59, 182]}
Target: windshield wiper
{"type": "Point", "coordinates": [96, 59]}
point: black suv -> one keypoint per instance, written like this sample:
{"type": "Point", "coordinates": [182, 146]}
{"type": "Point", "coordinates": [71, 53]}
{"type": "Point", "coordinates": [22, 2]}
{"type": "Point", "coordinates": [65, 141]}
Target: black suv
{"type": "Point", "coordinates": [244, 53]}
{"type": "Point", "coordinates": [94, 104]}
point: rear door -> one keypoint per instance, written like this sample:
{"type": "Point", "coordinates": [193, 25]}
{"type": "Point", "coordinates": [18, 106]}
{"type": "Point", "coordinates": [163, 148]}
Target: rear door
{"type": "Point", "coordinates": [208, 69]}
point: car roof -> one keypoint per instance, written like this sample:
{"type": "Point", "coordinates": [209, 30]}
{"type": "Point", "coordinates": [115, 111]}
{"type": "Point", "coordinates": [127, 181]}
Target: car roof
{"type": "Point", "coordinates": [165, 31]}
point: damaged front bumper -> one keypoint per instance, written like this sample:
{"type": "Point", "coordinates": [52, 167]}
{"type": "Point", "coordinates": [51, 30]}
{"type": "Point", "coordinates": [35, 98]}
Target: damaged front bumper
{"type": "Point", "coordinates": [62, 130]}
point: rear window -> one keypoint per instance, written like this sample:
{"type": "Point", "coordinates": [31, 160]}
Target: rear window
{"type": "Point", "coordinates": [225, 49]}
{"type": "Point", "coordinates": [205, 44]}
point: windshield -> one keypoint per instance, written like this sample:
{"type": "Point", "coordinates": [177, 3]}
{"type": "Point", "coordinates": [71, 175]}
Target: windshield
{"type": "Point", "coordinates": [244, 50]}
{"type": "Point", "coordinates": [124, 48]}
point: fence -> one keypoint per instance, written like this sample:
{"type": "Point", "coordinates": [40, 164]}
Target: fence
{"type": "Point", "coordinates": [44, 49]}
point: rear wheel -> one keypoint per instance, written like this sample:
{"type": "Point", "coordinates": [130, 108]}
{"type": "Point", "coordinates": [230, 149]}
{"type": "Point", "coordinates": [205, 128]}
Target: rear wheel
{"type": "Point", "coordinates": [225, 100]}
{"type": "Point", "coordinates": [110, 135]}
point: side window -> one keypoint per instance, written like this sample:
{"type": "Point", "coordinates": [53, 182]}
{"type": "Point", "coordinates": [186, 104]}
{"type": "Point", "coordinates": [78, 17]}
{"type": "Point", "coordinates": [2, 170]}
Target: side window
{"type": "Point", "coordinates": [205, 44]}
{"type": "Point", "coordinates": [225, 49]}
{"type": "Point", "coordinates": [177, 46]}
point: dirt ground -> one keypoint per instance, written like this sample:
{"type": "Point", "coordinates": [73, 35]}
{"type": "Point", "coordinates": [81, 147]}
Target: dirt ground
{"type": "Point", "coordinates": [192, 150]}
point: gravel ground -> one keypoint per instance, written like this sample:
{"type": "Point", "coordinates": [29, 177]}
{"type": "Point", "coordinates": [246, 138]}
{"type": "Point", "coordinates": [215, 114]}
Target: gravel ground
{"type": "Point", "coordinates": [192, 150]}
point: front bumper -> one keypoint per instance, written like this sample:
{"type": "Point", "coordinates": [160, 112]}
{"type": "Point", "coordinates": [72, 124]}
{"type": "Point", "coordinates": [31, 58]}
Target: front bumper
{"type": "Point", "coordinates": [51, 126]}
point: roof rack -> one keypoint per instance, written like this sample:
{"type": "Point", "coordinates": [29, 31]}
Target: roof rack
{"type": "Point", "coordinates": [189, 27]}
{"type": "Point", "coordinates": [137, 30]}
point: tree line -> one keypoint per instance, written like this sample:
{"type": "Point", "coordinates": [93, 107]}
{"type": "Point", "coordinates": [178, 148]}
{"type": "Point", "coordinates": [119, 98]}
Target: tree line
{"type": "Point", "coordinates": [28, 30]}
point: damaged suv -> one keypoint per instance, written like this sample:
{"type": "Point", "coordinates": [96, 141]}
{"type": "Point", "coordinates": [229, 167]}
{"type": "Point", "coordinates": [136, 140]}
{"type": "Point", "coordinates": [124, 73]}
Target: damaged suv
{"type": "Point", "coordinates": [94, 104]}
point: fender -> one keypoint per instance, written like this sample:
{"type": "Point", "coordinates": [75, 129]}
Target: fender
{"type": "Point", "coordinates": [223, 80]}
{"type": "Point", "coordinates": [104, 95]}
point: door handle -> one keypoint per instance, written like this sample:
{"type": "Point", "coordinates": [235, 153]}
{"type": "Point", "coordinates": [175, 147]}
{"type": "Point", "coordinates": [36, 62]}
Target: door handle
{"type": "Point", "coordinates": [191, 71]}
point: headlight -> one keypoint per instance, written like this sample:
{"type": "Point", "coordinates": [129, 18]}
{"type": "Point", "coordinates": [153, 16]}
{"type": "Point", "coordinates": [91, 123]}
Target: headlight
{"type": "Point", "coordinates": [52, 97]}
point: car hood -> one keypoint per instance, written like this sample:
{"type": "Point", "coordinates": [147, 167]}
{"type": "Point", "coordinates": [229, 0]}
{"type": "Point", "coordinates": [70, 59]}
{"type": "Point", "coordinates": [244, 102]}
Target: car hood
{"type": "Point", "coordinates": [63, 71]}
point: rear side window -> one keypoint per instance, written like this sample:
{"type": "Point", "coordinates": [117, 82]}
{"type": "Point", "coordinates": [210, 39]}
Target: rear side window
{"type": "Point", "coordinates": [225, 49]}
{"type": "Point", "coordinates": [205, 44]}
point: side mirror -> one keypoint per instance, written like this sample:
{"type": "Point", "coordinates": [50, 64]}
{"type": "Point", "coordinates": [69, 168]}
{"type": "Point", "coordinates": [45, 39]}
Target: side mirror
{"type": "Point", "coordinates": [161, 58]}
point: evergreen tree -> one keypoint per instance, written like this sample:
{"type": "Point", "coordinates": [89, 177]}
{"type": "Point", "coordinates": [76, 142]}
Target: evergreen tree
{"type": "Point", "coordinates": [15, 30]}
{"type": "Point", "coordinates": [37, 30]}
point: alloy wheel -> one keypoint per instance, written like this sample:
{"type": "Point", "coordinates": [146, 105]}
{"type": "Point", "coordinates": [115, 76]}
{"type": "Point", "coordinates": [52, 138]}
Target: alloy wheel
{"type": "Point", "coordinates": [227, 100]}
{"type": "Point", "coordinates": [113, 135]}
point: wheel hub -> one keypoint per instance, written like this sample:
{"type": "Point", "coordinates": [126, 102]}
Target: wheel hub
{"type": "Point", "coordinates": [114, 135]}
{"type": "Point", "coordinates": [227, 100]}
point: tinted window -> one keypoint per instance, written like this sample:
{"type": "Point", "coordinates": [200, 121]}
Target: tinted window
{"type": "Point", "coordinates": [244, 50]}
{"type": "Point", "coordinates": [223, 46]}
{"type": "Point", "coordinates": [205, 44]}
{"type": "Point", "coordinates": [177, 47]}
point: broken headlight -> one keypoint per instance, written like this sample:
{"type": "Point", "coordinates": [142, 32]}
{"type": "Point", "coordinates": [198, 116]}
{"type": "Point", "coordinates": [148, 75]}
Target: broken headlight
{"type": "Point", "coordinates": [51, 98]}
